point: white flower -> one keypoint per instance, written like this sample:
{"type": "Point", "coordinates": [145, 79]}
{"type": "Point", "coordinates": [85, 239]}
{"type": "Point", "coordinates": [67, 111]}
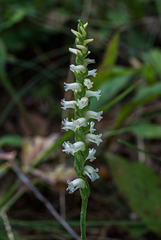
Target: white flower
{"type": "Point", "coordinates": [92, 129]}
{"type": "Point", "coordinates": [78, 146]}
{"type": "Point", "coordinates": [88, 83]}
{"type": "Point", "coordinates": [91, 172]}
{"type": "Point", "coordinates": [80, 122]}
{"type": "Point", "coordinates": [73, 148]}
{"type": "Point", "coordinates": [77, 34]}
{"type": "Point", "coordinates": [93, 138]}
{"type": "Point", "coordinates": [67, 147]}
{"type": "Point", "coordinates": [92, 72]}
{"type": "Point", "coordinates": [75, 51]}
{"type": "Point", "coordinates": [75, 184]}
{"type": "Point", "coordinates": [68, 104]}
{"type": "Point", "coordinates": [83, 48]}
{"type": "Point", "coordinates": [74, 124]}
{"type": "Point", "coordinates": [95, 115]}
{"type": "Point", "coordinates": [83, 102]}
{"type": "Point", "coordinates": [68, 125]}
{"type": "Point", "coordinates": [80, 68]}
{"type": "Point", "coordinates": [91, 154]}
{"type": "Point", "coordinates": [88, 61]}
{"type": "Point", "coordinates": [96, 94]}
{"type": "Point", "coordinates": [72, 86]}
{"type": "Point", "coordinates": [88, 41]}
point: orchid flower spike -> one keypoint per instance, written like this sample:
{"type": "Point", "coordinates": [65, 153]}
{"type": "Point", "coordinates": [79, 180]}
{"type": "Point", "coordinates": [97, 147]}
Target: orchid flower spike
{"type": "Point", "coordinates": [83, 122]}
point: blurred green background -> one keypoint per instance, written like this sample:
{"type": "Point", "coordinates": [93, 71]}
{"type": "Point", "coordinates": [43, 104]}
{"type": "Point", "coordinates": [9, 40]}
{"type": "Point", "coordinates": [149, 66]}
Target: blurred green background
{"type": "Point", "coordinates": [34, 63]}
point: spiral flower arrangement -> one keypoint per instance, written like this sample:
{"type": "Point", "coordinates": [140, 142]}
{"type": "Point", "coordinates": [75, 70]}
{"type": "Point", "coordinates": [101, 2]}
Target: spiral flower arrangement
{"type": "Point", "coordinates": [83, 122]}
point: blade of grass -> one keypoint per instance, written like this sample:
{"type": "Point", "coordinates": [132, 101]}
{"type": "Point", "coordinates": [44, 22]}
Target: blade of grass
{"type": "Point", "coordinates": [7, 226]}
{"type": "Point", "coordinates": [13, 199]}
{"type": "Point", "coordinates": [9, 88]}
{"type": "Point", "coordinates": [20, 94]}
{"type": "Point", "coordinates": [9, 193]}
{"type": "Point", "coordinates": [138, 149]}
{"type": "Point", "coordinates": [118, 98]}
{"type": "Point", "coordinates": [42, 72]}
{"type": "Point", "coordinates": [52, 224]}
{"type": "Point", "coordinates": [44, 200]}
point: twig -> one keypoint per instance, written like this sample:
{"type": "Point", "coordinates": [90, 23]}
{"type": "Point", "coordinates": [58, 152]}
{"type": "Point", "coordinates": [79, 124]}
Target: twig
{"type": "Point", "coordinates": [44, 200]}
{"type": "Point", "coordinates": [7, 156]}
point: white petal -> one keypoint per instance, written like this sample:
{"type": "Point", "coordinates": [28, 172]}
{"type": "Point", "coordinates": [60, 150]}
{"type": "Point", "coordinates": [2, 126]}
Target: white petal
{"type": "Point", "coordinates": [80, 68]}
{"type": "Point", "coordinates": [91, 154]}
{"type": "Point", "coordinates": [88, 83]}
{"type": "Point", "coordinates": [88, 61]}
{"type": "Point", "coordinates": [80, 122]}
{"type": "Point", "coordinates": [73, 148]}
{"type": "Point", "coordinates": [75, 184]}
{"type": "Point", "coordinates": [93, 138]}
{"type": "Point", "coordinates": [83, 102]}
{"type": "Point", "coordinates": [94, 115]}
{"type": "Point", "coordinates": [68, 125]}
{"type": "Point", "coordinates": [75, 51]}
{"type": "Point", "coordinates": [92, 129]}
{"type": "Point", "coordinates": [91, 172]}
{"type": "Point", "coordinates": [96, 94]}
{"type": "Point", "coordinates": [73, 86]}
{"type": "Point", "coordinates": [68, 104]}
{"type": "Point", "coordinates": [67, 147]}
{"type": "Point", "coordinates": [78, 146]}
{"type": "Point", "coordinates": [92, 72]}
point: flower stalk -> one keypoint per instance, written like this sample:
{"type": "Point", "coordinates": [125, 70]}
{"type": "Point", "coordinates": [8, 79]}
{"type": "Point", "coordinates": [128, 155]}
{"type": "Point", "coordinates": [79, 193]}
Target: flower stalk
{"type": "Point", "coordinates": [82, 124]}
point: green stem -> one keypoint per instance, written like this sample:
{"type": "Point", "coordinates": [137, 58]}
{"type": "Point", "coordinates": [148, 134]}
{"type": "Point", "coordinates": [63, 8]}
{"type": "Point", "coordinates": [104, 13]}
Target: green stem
{"type": "Point", "coordinates": [83, 217]}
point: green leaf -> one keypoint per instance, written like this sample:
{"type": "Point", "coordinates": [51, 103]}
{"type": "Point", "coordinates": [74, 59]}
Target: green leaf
{"type": "Point", "coordinates": [149, 91]}
{"type": "Point", "coordinates": [154, 58]}
{"type": "Point", "coordinates": [158, 6]}
{"type": "Point", "coordinates": [110, 56]}
{"type": "Point", "coordinates": [111, 87]}
{"type": "Point", "coordinates": [11, 140]}
{"type": "Point", "coordinates": [145, 95]}
{"type": "Point", "coordinates": [140, 186]}
{"type": "Point", "coordinates": [3, 54]}
{"type": "Point", "coordinates": [145, 130]}
{"type": "Point", "coordinates": [121, 96]}
{"type": "Point", "coordinates": [108, 62]}
{"type": "Point", "coordinates": [148, 72]}
{"type": "Point", "coordinates": [14, 17]}
{"type": "Point", "coordinates": [138, 231]}
{"type": "Point", "coordinates": [138, 149]}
